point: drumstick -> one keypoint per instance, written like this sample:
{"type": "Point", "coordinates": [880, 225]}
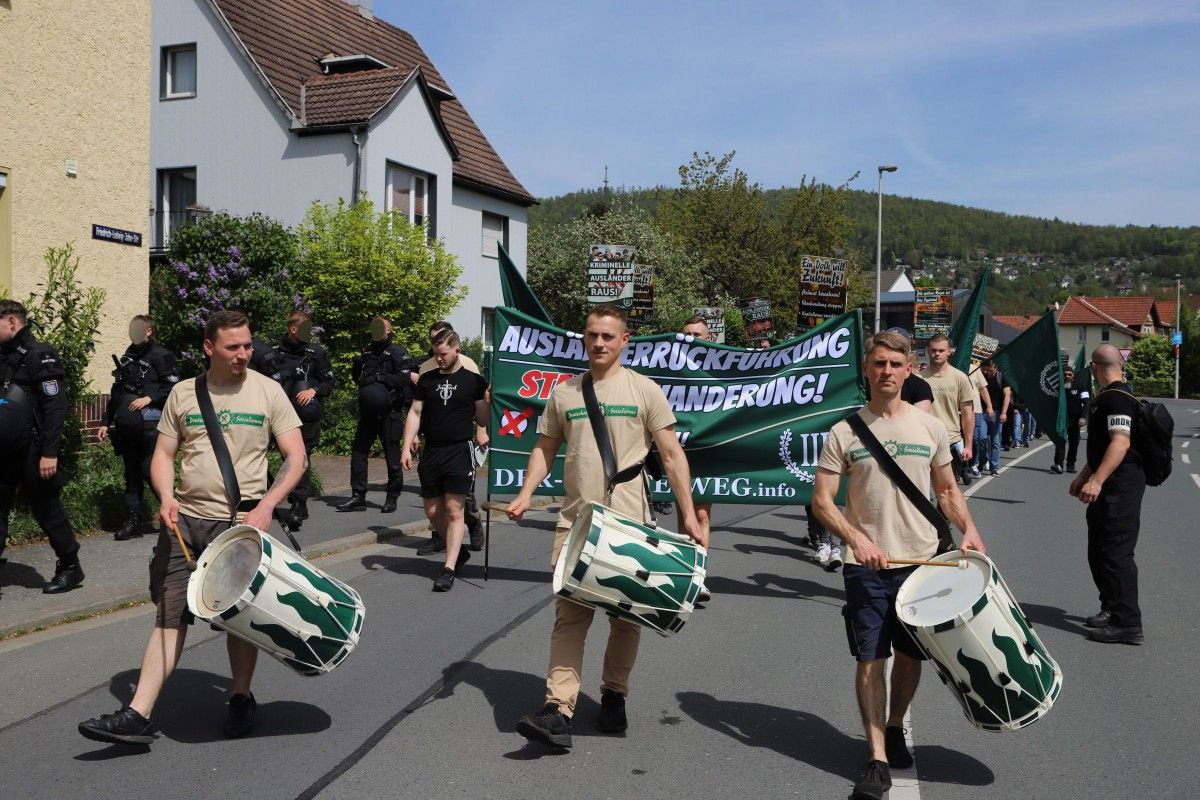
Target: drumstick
{"type": "Point", "coordinates": [191, 565]}
{"type": "Point", "coordinates": [961, 563]}
{"type": "Point", "coordinates": [501, 507]}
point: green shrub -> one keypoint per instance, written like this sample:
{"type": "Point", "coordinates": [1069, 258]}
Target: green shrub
{"type": "Point", "coordinates": [1150, 369]}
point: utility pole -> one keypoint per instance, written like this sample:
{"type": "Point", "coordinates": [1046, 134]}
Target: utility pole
{"type": "Point", "coordinates": [606, 178]}
{"type": "Point", "coordinates": [1177, 331]}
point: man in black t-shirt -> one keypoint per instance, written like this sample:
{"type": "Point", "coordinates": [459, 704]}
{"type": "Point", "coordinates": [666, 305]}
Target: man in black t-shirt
{"type": "Point", "coordinates": [1112, 484]}
{"type": "Point", "coordinates": [915, 389]}
{"type": "Point", "coordinates": [1000, 393]}
{"type": "Point", "coordinates": [447, 405]}
{"type": "Point", "coordinates": [1077, 402]}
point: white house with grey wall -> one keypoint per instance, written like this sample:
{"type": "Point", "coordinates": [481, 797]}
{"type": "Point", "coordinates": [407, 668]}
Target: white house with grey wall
{"type": "Point", "coordinates": [268, 106]}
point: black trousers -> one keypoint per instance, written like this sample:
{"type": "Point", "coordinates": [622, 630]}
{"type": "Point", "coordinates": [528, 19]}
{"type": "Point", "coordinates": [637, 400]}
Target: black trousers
{"type": "Point", "coordinates": [21, 469]}
{"type": "Point", "coordinates": [311, 431]}
{"type": "Point", "coordinates": [389, 429]}
{"type": "Point", "coordinates": [136, 453]}
{"type": "Point", "coordinates": [1071, 446]}
{"type": "Point", "coordinates": [1113, 523]}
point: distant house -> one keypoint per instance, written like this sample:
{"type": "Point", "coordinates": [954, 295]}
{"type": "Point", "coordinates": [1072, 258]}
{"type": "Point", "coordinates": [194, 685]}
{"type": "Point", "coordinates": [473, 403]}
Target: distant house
{"type": "Point", "coordinates": [268, 106]}
{"type": "Point", "coordinates": [1121, 321]}
{"type": "Point", "coordinates": [1007, 327]}
{"type": "Point", "coordinates": [1166, 307]}
{"type": "Point", "coordinates": [1065, 282]}
{"type": "Point", "coordinates": [896, 280]}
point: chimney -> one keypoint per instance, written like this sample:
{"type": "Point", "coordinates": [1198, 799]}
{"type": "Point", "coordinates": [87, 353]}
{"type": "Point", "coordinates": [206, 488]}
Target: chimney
{"type": "Point", "coordinates": [364, 8]}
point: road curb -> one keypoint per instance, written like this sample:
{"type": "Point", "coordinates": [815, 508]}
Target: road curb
{"type": "Point", "coordinates": [313, 552]}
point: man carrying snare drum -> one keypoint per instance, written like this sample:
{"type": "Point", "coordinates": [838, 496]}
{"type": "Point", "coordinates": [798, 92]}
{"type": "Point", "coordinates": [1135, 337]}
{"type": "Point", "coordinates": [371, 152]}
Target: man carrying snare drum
{"type": "Point", "coordinates": [879, 524]}
{"type": "Point", "coordinates": [636, 413]}
{"type": "Point", "coordinates": [250, 409]}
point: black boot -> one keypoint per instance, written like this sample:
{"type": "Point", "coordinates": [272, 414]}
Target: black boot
{"type": "Point", "coordinates": [389, 504]}
{"type": "Point", "coordinates": [66, 577]}
{"type": "Point", "coordinates": [357, 502]}
{"type": "Point", "coordinates": [296, 515]}
{"type": "Point", "coordinates": [132, 527]}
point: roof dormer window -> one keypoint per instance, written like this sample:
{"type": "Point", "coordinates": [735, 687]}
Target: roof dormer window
{"type": "Point", "coordinates": [337, 65]}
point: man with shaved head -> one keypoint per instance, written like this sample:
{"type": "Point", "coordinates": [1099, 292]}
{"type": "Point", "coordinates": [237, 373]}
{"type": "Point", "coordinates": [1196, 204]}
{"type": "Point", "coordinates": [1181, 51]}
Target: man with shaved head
{"type": "Point", "coordinates": [1112, 484]}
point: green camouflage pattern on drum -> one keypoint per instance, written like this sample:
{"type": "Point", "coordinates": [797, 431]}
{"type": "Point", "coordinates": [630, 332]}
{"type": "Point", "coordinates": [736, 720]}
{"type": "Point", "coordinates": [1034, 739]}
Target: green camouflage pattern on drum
{"type": "Point", "coordinates": [295, 612]}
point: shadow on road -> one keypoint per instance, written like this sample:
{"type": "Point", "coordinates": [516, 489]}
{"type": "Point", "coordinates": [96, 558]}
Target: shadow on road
{"type": "Point", "coordinates": [783, 552]}
{"type": "Point", "coordinates": [764, 584]}
{"type": "Point", "coordinates": [1053, 617]}
{"type": "Point", "coordinates": [431, 567]}
{"type": "Point", "coordinates": [766, 533]}
{"type": "Point", "coordinates": [808, 738]}
{"type": "Point", "coordinates": [192, 709]}
{"type": "Point", "coordinates": [16, 574]}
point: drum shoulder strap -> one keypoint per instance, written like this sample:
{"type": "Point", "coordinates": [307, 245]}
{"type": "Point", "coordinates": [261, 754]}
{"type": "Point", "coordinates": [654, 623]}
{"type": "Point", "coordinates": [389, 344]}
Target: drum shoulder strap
{"type": "Point", "coordinates": [902, 481]}
{"type": "Point", "coordinates": [600, 431]}
{"type": "Point", "coordinates": [220, 449]}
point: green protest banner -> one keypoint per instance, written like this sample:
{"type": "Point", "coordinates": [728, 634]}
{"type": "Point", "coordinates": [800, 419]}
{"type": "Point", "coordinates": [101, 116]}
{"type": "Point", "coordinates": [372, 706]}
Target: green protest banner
{"type": "Point", "coordinates": [1033, 365]}
{"type": "Point", "coordinates": [963, 331]}
{"type": "Point", "coordinates": [752, 422]}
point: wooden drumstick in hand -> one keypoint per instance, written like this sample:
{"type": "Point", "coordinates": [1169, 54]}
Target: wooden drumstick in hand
{"type": "Point", "coordinates": [191, 565]}
{"type": "Point", "coordinates": [961, 563]}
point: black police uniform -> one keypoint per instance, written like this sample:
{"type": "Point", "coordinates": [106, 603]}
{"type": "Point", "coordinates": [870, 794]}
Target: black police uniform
{"type": "Point", "coordinates": [298, 366]}
{"type": "Point", "coordinates": [33, 383]}
{"type": "Point", "coordinates": [1114, 519]}
{"type": "Point", "coordinates": [384, 392]}
{"type": "Point", "coordinates": [145, 370]}
{"type": "Point", "coordinates": [1077, 400]}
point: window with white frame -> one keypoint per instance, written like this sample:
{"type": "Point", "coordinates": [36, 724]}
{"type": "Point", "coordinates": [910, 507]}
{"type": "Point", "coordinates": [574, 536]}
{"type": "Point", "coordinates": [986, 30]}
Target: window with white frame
{"type": "Point", "coordinates": [409, 194]}
{"type": "Point", "coordinates": [176, 195]}
{"type": "Point", "coordinates": [495, 234]}
{"type": "Point", "coordinates": [178, 78]}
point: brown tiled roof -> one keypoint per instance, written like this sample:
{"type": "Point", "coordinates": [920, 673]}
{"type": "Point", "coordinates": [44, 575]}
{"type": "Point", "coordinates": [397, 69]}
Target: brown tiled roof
{"type": "Point", "coordinates": [1166, 308]}
{"type": "Point", "coordinates": [1129, 311]}
{"type": "Point", "coordinates": [286, 39]}
{"type": "Point", "coordinates": [1016, 322]}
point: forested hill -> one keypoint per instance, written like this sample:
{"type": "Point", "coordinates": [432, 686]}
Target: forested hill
{"type": "Point", "coordinates": [924, 229]}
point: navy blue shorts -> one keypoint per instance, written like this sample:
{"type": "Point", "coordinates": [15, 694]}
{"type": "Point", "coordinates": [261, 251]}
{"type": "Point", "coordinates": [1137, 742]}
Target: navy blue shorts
{"type": "Point", "coordinates": [872, 628]}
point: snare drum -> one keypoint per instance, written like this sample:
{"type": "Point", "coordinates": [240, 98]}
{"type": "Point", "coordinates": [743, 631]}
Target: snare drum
{"type": "Point", "coordinates": [255, 588]}
{"type": "Point", "coordinates": [629, 570]}
{"type": "Point", "coordinates": [982, 644]}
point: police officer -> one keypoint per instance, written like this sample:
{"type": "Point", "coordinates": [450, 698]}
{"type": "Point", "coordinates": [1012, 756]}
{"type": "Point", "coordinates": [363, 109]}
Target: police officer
{"type": "Point", "coordinates": [384, 389]}
{"type": "Point", "coordinates": [301, 367]}
{"type": "Point", "coordinates": [33, 388]}
{"type": "Point", "coordinates": [144, 377]}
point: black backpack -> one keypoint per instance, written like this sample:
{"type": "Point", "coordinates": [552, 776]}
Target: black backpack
{"type": "Point", "coordinates": [1153, 434]}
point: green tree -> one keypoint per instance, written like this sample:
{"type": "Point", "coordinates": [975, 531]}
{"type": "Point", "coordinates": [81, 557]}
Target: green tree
{"type": "Point", "coordinates": [1150, 368]}
{"type": "Point", "coordinates": [558, 259]}
{"type": "Point", "coordinates": [356, 263]}
{"type": "Point", "coordinates": [1189, 352]}
{"type": "Point", "coordinates": [67, 316]}
{"type": "Point", "coordinates": [223, 261]}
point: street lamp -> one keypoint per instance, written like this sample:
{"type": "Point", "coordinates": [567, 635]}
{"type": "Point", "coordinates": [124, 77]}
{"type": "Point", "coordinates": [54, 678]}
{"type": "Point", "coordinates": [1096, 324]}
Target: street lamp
{"type": "Point", "coordinates": [1177, 331]}
{"type": "Point", "coordinates": [879, 244]}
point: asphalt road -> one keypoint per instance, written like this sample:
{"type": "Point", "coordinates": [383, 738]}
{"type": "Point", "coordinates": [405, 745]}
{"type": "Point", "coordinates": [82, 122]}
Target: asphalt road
{"type": "Point", "coordinates": [753, 698]}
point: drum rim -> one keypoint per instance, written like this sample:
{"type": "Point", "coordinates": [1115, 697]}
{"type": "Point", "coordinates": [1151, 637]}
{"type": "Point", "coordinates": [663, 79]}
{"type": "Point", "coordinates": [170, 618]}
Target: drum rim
{"type": "Point", "coordinates": [214, 548]}
{"type": "Point", "coordinates": [963, 617]}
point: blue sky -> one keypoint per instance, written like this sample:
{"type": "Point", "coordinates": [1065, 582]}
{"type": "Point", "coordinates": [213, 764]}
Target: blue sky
{"type": "Point", "coordinates": [1088, 111]}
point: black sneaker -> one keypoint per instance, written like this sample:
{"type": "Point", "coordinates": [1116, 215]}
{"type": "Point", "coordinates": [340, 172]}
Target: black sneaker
{"type": "Point", "coordinates": [875, 781]}
{"type": "Point", "coordinates": [897, 749]}
{"type": "Point", "coordinates": [464, 555]}
{"type": "Point", "coordinates": [476, 532]}
{"type": "Point", "coordinates": [1056, 469]}
{"type": "Point", "coordinates": [1098, 620]}
{"type": "Point", "coordinates": [445, 581]}
{"type": "Point", "coordinates": [1071, 468]}
{"type": "Point", "coordinates": [123, 727]}
{"type": "Point", "coordinates": [548, 726]}
{"type": "Point", "coordinates": [357, 502]}
{"type": "Point", "coordinates": [242, 709]}
{"type": "Point", "coordinates": [434, 545]}
{"type": "Point", "coordinates": [612, 717]}
{"type": "Point", "coordinates": [995, 471]}
{"type": "Point", "coordinates": [65, 578]}
{"type": "Point", "coordinates": [389, 505]}
{"type": "Point", "coordinates": [1111, 634]}
{"type": "Point", "coordinates": [130, 530]}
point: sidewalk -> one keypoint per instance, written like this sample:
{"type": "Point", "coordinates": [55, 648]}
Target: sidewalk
{"type": "Point", "coordinates": [117, 572]}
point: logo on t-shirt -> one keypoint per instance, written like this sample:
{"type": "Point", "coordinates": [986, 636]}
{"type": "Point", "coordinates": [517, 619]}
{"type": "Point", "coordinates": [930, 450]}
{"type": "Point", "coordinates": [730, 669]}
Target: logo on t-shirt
{"type": "Point", "coordinates": [226, 419]}
{"type": "Point", "coordinates": [446, 391]}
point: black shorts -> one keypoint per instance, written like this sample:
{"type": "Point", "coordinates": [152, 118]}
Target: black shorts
{"type": "Point", "coordinates": [872, 628]}
{"type": "Point", "coordinates": [168, 568]}
{"type": "Point", "coordinates": [448, 469]}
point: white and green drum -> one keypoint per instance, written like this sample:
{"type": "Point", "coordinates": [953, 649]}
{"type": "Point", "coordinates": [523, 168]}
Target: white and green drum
{"type": "Point", "coordinates": [980, 641]}
{"type": "Point", "coordinates": [629, 570]}
{"type": "Point", "coordinates": [250, 585]}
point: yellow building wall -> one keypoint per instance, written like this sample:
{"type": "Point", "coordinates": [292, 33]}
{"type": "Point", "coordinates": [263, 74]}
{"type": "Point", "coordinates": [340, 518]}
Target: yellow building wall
{"type": "Point", "coordinates": [75, 86]}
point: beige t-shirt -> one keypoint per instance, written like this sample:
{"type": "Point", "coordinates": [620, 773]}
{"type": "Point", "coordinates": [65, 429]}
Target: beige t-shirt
{"type": "Point", "coordinates": [249, 413]}
{"type": "Point", "coordinates": [465, 361]}
{"type": "Point", "coordinates": [874, 504]}
{"type": "Point", "coordinates": [634, 408]}
{"type": "Point", "coordinates": [980, 384]}
{"type": "Point", "coordinates": [950, 390]}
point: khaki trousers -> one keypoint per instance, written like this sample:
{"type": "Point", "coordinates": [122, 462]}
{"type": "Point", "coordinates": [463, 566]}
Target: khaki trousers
{"type": "Point", "coordinates": [571, 623]}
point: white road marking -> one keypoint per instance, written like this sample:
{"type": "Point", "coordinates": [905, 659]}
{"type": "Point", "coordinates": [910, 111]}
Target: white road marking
{"type": "Point", "coordinates": [981, 482]}
{"type": "Point", "coordinates": [1185, 444]}
{"type": "Point", "coordinates": [1196, 478]}
{"type": "Point", "coordinates": [905, 782]}
{"type": "Point", "coordinates": [1186, 458]}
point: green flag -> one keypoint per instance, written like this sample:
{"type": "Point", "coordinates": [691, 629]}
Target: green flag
{"type": "Point", "coordinates": [1083, 377]}
{"type": "Point", "coordinates": [964, 329]}
{"type": "Point", "coordinates": [1033, 366]}
{"type": "Point", "coordinates": [517, 293]}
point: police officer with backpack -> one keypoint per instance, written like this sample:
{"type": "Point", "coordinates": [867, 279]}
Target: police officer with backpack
{"type": "Point", "coordinates": [384, 390]}
{"type": "Point", "coordinates": [301, 367]}
{"type": "Point", "coordinates": [1112, 484]}
{"type": "Point", "coordinates": [145, 374]}
{"type": "Point", "coordinates": [33, 407]}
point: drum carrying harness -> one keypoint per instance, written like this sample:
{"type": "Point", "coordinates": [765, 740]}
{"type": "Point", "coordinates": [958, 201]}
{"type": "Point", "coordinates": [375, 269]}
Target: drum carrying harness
{"type": "Point", "coordinates": [650, 468]}
{"type": "Point", "coordinates": [224, 461]}
{"type": "Point", "coordinates": [903, 482]}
